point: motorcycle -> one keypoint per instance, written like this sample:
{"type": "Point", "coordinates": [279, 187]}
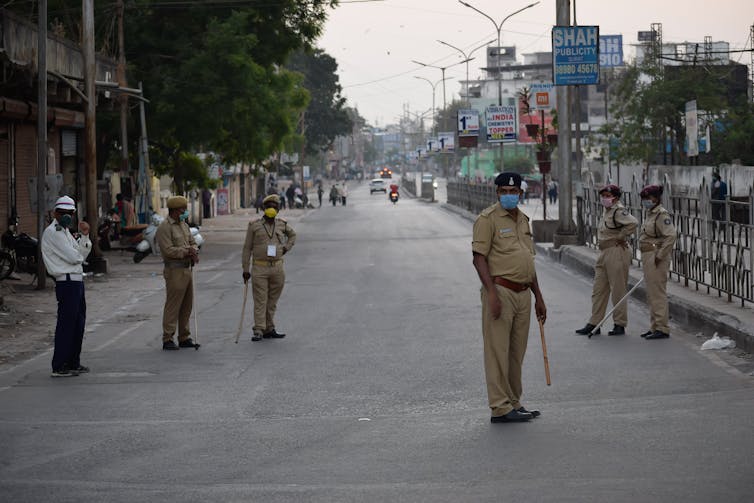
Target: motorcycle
{"type": "Point", "coordinates": [394, 197]}
{"type": "Point", "coordinates": [149, 245]}
{"type": "Point", "coordinates": [19, 251]}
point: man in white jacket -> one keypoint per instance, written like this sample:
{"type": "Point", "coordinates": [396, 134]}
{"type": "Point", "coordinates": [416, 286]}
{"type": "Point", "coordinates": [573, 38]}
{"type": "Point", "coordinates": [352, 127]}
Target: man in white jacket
{"type": "Point", "coordinates": [63, 255]}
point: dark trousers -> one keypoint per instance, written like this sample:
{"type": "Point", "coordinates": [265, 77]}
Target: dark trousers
{"type": "Point", "coordinates": [69, 331]}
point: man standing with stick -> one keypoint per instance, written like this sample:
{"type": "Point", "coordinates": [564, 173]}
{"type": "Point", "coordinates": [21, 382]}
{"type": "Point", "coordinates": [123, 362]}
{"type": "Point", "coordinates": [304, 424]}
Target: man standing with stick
{"type": "Point", "coordinates": [179, 252]}
{"type": "Point", "coordinates": [503, 252]}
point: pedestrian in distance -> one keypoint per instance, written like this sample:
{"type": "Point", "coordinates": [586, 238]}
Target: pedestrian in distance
{"type": "Point", "coordinates": [320, 192]}
{"type": "Point", "coordinates": [503, 252]}
{"type": "Point", "coordinates": [718, 194]}
{"type": "Point", "coordinates": [552, 191]}
{"type": "Point", "coordinates": [63, 254]}
{"type": "Point", "coordinates": [343, 192]}
{"type": "Point", "coordinates": [179, 254]}
{"type": "Point", "coordinates": [267, 240]}
{"type": "Point", "coordinates": [611, 269]}
{"type": "Point", "coordinates": [656, 242]}
{"type": "Point", "coordinates": [334, 194]}
{"type": "Point", "coordinates": [290, 193]}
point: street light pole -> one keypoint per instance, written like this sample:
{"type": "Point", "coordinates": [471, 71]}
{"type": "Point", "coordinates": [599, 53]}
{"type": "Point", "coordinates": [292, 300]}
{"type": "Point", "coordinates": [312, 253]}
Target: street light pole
{"type": "Point", "coordinates": [498, 28]}
{"type": "Point", "coordinates": [434, 124]}
{"type": "Point", "coordinates": [468, 58]}
{"type": "Point", "coordinates": [442, 69]}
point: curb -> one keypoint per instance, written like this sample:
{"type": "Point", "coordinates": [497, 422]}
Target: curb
{"type": "Point", "coordinates": [707, 314]}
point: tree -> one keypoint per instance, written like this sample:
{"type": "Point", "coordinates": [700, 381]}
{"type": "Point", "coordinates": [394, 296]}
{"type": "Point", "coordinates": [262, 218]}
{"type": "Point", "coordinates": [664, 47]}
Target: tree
{"type": "Point", "coordinates": [649, 106]}
{"type": "Point", "coordinates": [326, 116]}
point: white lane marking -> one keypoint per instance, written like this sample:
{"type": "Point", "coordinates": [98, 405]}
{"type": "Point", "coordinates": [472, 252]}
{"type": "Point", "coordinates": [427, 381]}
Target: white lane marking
{"type": "Point", "coordinates": [119, 336]}
{"type": "Point", "coordinates": [213, 278]}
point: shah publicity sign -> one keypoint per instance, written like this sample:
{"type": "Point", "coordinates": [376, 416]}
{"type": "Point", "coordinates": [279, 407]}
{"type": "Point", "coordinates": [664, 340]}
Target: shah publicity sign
{"type": "Point", "coordinates": [575, 55]}
{"type": "Point", "coordinates": [611, 51]}
{"type": "Point", "coordinates": [501, 123]}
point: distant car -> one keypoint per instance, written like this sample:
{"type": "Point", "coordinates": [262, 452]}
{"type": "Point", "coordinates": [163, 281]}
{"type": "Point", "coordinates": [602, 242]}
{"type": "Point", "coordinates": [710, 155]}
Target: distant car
{"type": "Point", "coordinates": [377, 185]}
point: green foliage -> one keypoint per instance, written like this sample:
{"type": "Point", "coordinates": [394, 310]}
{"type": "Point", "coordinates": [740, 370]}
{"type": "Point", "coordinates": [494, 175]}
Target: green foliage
{"type": "Point", "coordinates": [519, 165]}
{"type": "Point", "coordinates": [326, 116]}
{"type": "Point", "coordinates": [733, 136]}
{"type": "Point", "coordinates": [649, 105]}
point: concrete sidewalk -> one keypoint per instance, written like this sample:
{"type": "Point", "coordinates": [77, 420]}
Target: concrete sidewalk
{"type": "Point", "coordinates": [28, 315]}
{"type": "Point", "coordinates": [696, 311]}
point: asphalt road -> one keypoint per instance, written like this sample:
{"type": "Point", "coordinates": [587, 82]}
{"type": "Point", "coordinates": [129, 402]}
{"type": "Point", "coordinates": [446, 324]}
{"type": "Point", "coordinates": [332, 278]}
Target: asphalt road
{"type": "Point", "coordinates": [377, 393]}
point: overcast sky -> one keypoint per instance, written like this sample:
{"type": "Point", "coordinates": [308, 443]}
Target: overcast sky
{"type": "Point", "coordinates": [374, 42]}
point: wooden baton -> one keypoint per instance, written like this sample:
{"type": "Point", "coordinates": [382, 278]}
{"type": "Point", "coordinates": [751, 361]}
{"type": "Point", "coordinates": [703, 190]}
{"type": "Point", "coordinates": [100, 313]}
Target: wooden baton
{"type": "Point", "coordinates": [544, 351]}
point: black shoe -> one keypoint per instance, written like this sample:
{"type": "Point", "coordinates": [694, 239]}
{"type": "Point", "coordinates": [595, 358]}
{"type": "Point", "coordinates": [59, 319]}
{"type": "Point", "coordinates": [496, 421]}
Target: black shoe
{"type": "Point", "coordinates": [588, 330]}
{"type": "Point", "coordinates": [256, 337]}
{"type": "Point", "coordinates": [272, 334]}
{"type": "Point", "coordinates": [648, 332]}
{"type": "Point", "coordinates": [513, 416]}
{"type": "Point", "coordinates": [657, 335]}
{"type": "Point", "coordinates": [617, 330]}
{"type": "Point", "coordinates": [187, 343]}
{"type": "Point", "coordinates": [64, 372]}
{"type": "Point", "coordinates": [82, 370]}
{"type": "Point", "coordinates": [534, 413]}
{"type": "Point", "coordinates": [169, 346]}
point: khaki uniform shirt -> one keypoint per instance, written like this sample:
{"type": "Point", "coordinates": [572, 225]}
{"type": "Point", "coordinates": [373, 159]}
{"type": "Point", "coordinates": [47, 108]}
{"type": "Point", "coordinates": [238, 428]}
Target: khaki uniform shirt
{"type": "Point", "coordinates": [658, 231]}
{"type": "Point", "coordinates": [174, 237]}
{"type": "Point", "coordinates": [506, 243]}
{"type": "Point", "coordinates": [260, 235]}
{"type": "Point", "coordinates": [617, 223]}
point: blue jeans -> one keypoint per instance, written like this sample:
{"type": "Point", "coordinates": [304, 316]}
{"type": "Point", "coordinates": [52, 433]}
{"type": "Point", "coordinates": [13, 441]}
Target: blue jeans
{"type": "Point", "coordinates": [69, 331]}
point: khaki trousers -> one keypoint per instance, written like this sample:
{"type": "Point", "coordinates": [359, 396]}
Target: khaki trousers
{"type": "Point", "coordinates": [179, 297]}
{"type": "Point", "coordinates": [611, 274]}
{"type": "Point", "coordinates": [266, 286]}
{"type": "Point", "coordinates": [505, 342]}
{"type": "Point", "coordinates": [656, 279]}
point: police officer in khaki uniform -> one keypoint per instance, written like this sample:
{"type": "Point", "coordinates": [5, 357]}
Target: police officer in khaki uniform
{"type": "Point", "coordinates": [611, 269]}
{"type": "Point", "coordinates": [503, 252]}
{"type": "Point", "coordinates": [656, 242]}
{"type": "Point", "coordinates": [267, 240]}
{"type": "Point", "coordinates": [179, 253]}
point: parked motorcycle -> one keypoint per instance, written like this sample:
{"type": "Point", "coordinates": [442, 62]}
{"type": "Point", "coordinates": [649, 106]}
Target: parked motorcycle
{"type": "Point", "coordinates": [149, 244]}
{"type": "Point", "coordinates": [394, 197]}
{"type": "Point", "coordinates": [19, 251]}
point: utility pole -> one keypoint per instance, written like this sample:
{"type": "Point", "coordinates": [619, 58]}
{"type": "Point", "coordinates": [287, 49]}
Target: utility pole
{"type": "Point", "coordinates": [98, 263]}
{"type": "Point", "coordinates": [566, 231]}
{"type": "Point", "coordinates": [41, 135]}
{"type": "Point", "coordinates": [122, 83]}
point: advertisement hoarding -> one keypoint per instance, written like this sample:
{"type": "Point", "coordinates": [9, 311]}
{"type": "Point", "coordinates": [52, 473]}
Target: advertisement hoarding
{"type": "Point", "coordinates": [468, 123]}
{"type": "Point", "coordinates": [447, 141]}
{"type": "Point", "coordinates": [611, 51]}
{"type": "Point", "coordinates": [501, 124]}
{"type": "Point", "coordinates": [575, 55]}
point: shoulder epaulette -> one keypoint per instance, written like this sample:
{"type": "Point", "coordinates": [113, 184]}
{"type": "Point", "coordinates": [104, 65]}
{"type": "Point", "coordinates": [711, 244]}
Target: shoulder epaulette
{"type": "Point", "coordinates": [488, 211]}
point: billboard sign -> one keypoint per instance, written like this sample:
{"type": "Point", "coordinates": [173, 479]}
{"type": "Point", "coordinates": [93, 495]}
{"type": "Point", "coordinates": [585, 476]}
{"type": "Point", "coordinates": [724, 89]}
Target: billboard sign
{"type": "Point", "coordinates": [542, 96]}
{"type": "Point", "coordinates": [468, 123]}
{"type": "Point", "coordinates": [575, 55]}
{"type": "Point", "coordinates": [501, 124]}
{"type": "Point", "coordinates": [447, 141]}
{"type": "Point", "coordinates": [692, 129]}
{"type": "Point", "coordinates": [611, 51]}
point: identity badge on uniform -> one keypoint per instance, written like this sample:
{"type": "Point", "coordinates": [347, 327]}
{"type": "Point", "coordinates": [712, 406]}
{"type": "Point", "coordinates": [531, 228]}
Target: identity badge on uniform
{"type": "Point", "coordinates": [272, 251]}
{"type": "Point", "coordinates": [667, 221]}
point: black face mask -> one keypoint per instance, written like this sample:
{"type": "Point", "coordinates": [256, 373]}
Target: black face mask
{"type": "Point", "coordinates": [65, 220]}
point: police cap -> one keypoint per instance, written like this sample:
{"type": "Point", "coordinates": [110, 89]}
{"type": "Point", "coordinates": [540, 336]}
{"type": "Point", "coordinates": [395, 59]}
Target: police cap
{"type": "Point", "coordinates": [651, 190]}
{"type": "Point", "coordinates": [508, 178]}
{"type": "Point", "coordinates": [272, 198]}
{"type": "Point", "coordinates": [612, 189]}
{"type": "Point", "coordinates": [176, 202]}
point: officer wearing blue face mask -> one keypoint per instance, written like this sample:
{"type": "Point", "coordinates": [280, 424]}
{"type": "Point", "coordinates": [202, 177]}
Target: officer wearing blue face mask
{"type": "Point", "coordinates": [63, 255]}
{"type": "Point", "coordinates": [503, 252]}
{"type": "Point", "coordinates": [179, 253]}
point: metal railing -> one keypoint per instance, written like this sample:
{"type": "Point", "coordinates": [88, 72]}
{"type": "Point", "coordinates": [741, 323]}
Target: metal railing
{"type": "Point", "coordinates": [713, 251]}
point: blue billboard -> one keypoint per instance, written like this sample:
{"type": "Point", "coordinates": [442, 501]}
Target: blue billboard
{"type": "Point", "coordinates": [575, 55]}
{"type": "Point", "coordinates": [611, 51]}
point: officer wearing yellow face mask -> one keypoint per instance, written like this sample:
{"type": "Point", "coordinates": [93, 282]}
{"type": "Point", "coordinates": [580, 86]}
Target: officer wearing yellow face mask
{"type": "Point", "coordinates": [267, 240]}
